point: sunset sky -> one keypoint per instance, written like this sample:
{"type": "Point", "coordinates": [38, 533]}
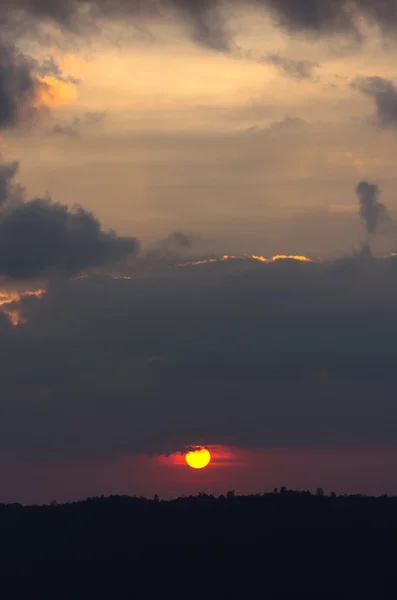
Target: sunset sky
{"type": "Point", "coordinates": [153, 154]}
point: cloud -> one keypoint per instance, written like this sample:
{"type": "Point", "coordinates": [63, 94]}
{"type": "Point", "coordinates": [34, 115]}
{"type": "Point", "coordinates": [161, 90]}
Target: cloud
{"type": "Point", "coordinates": [42, 238]}
{"type": "Point", "coordinates": [28, 87]}
{"type": "Point", "coordinates": [19, 86]}
{"type": "Point", "coordinates": [315, 15]}
{"type": "Point", "coordinates": [179, 240]}
{"type": "Point", "coordinates": [11, 193]}
{"type": "Point", "coordinates": [169, 250]}
{"type": "Point", "coordinates": [206, 18]}
{"type": "Point", "coordinates": [332, 16]}
{"type": "Point", "coordinates": [373, 213]}
{"type": "Point", "coordinates": [384, 93]}
{"type": "Point", "coordinates": [283, 353]}
{"type": "Point", "coordinates": [253, 354]}
{"type": "Point", "coordinates": [78, 124]}
{"type": "Point", "coordinates": [287, 124]}
{"type": "Point", "coordinates": [300, 69]}
{"type": "Point", "coordinates": [50, 68]}
{"type": "Point", "coordinates": [202, 17]}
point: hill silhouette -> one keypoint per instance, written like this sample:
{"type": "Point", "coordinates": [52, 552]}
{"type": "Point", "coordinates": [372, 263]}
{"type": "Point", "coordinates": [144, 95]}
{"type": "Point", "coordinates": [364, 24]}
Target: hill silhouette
{"type": "Point", "coordinates": [345, 543]}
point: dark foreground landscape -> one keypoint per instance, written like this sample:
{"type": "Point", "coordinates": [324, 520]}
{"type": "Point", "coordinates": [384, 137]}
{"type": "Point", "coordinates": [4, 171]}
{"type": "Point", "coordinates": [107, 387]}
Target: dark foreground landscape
{"type": "Point", "coordinates": [290, 542]}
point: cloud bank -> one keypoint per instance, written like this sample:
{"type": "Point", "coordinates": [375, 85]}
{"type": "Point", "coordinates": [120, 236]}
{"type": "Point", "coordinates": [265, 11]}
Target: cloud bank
{"type": "Point", "coordinates": [252, 354]}
{"type": "Point", "coordinates": [205, 18]}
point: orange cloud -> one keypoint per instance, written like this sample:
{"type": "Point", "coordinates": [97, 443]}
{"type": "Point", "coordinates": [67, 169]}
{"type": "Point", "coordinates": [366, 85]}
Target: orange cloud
{"type": "Point", "coordinates": [7, 299]}
{"type": "Point", "coordinates": [247, 257]}
{"type": "Point", "coordinates": [54, 92]}
{"type": "Point", "coordinates": [281, 257]}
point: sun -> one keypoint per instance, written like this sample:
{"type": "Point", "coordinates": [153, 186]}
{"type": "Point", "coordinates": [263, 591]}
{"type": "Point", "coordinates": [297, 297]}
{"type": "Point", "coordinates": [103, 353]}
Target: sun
{"type": "Point", "coordinates": [198, 458]}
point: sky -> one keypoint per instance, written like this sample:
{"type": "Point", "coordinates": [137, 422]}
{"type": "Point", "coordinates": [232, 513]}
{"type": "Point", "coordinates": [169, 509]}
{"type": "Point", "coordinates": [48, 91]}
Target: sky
{"type": "Point", "coordinates": [197, 246]}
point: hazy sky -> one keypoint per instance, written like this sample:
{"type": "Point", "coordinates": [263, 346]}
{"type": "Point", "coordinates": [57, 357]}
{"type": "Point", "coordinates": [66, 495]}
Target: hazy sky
{"type": "Point", "coordinates": [186, 131]}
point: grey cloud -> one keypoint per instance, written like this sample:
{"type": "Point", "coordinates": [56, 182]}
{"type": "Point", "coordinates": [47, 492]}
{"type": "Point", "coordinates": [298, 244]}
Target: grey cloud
{"type": "Point", "coordinates": [205, 19]}
{"type": "Point", "coordinates": [21, 82]}
{"type": "Point", "coordinates": [19, 86]}
{"type": "Point", "coordinates": [11, 193]}
{"type": "Point", "coordinates": [300, 69]}
{"type": "Point", "coordinates": [314, 15]}
{"type": "Point", "coordinates": [203, 16]}
{"type": "Point", "coordinates": [332, 16]}
{"type": "Point", "coordinates": [384, 93]}
{"type": "Point", "coordinates": [373, 213]}
{"type": "Point", "coordinates": [265, 355]}
{"type": "Point", "coordinates": [42, 238]}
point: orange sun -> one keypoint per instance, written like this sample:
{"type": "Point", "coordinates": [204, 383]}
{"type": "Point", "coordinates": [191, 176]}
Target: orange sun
{"type": "Point", "coordinates": [198, 458]}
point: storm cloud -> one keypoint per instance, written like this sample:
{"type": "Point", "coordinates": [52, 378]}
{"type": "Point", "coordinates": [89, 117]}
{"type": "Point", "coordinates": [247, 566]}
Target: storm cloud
{"type": "Point", "coordinates": [249, 354]}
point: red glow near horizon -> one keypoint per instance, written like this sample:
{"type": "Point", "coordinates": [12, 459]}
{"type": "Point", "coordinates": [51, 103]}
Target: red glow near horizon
{"type": "Point", "coordinates": [361, 469]}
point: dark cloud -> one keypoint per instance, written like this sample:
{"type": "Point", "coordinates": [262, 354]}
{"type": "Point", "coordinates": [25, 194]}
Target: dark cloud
{"type": "Point", "coordinates": [11, 193]}
{"type": "Point", "coordinates": [40, 237]}
{"type": "Point", "coordinates": [252, 354]}
{"type": "Point", "coordinates": [205, 18]}
{"type": "Point", "coordinates": [384, 93]}
{"type": "Point", "coordinates": [373, 213]}
{"type": "Point", "coordinates": [202, 17]}
{"type": "Point", "coordinates": [314, 15]}
{"type": "Point", "coordinates": [332, 16]}
{"type": "Point", "coordinates": [22, 84]}
{"type": "Point", "coordinates": [276, 354]}
{"type": "Point", "coordinates": [19, 86]}
{"type": "Point", "coordinates": [300, 69]}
